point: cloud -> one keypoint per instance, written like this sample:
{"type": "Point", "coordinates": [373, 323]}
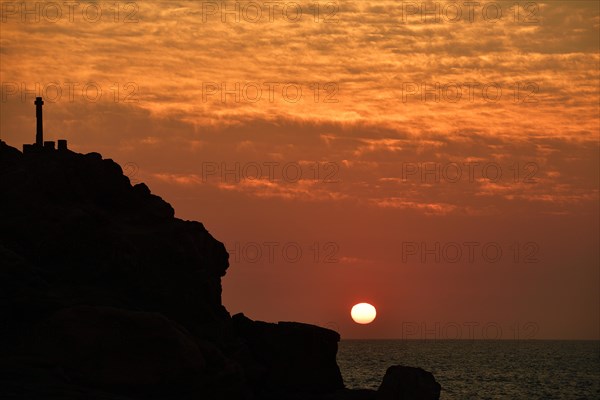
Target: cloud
{"type": "Point", "coordinates": [403, 131]}
{"type": "Point", "coordinates": [427, 208]}
{"type": "Point", "coordinates": [192, 79]}
{"type": "Point", "coordinates": [369, 54]}
{"type": "Point", "coordinates": [185, 180]}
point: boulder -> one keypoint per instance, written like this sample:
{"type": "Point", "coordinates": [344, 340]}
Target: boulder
{"type": "Point", "coordinates": [291, 357]}
{"type": "Point", "coordinates": [408, 383]}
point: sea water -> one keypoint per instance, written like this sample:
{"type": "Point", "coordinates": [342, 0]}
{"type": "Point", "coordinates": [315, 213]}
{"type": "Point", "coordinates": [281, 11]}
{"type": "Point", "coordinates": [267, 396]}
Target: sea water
{"type": "Point", "coordinates": [535, 369]}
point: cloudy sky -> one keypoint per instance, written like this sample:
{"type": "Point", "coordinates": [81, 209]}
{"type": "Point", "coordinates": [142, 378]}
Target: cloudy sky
{"type": "Point", "coordinates": [437, 159]}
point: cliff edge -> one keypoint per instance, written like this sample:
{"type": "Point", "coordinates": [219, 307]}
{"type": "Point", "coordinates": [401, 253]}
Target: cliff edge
{"type": "Point", "coordinates": [106, 295]}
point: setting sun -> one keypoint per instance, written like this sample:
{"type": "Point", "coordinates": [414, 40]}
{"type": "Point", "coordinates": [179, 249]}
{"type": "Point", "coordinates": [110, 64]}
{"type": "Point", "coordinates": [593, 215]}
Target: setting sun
{"type": "Point", "coordinates": [363, 313]}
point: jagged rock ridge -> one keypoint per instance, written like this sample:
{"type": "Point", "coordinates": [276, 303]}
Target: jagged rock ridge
{"type": "Point", "coordinates": [106, 295]}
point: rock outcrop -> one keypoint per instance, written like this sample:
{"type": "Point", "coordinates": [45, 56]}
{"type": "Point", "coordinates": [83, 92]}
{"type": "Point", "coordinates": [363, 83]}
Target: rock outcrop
{"type": "Point", "coordinates": [104, 294]}
{"type": "Point", "coordinates": [290, 357]}
{"type": "Point", "coordinates": [408, 383]}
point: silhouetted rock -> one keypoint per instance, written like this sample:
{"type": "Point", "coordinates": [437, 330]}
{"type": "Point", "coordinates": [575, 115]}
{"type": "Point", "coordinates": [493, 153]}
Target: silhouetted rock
{"type": "Point", "coordinates": [104, 294]}
{"type": "Point", "coordinates": [77, 226]}
{"type": "Point", "coordinates": [291, 357]}
{"type": "Point", "coordinates": [76, 233]}
{"type": "Point", "coordinates": [113, 347]}
{"type": "Point", "coordinates": [408, 383]}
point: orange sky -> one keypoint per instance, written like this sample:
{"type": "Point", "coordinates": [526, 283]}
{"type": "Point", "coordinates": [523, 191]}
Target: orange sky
{"type": "Point", "coordinates": [367, 155]}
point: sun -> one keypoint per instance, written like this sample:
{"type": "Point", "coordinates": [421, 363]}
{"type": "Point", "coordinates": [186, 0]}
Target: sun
{"type": "Point", "coordinates": [363, 313]}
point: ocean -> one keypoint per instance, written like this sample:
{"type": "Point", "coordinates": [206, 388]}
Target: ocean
{"type": "Point", "coordinates": [512, 370]}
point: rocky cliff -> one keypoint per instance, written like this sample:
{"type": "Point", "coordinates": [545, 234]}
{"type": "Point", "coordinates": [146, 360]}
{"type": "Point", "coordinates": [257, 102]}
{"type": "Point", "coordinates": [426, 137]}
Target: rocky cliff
{"type": "Point", "coordinates": [106, 295]}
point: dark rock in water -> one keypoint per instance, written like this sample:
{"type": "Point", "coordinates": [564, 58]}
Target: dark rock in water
{"type": "Point", "coordinates": [290, 357]}
{"type": "Point", "coordinates": [408, 383]}
{"type": "Point", "coordinates": [104, 294]}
